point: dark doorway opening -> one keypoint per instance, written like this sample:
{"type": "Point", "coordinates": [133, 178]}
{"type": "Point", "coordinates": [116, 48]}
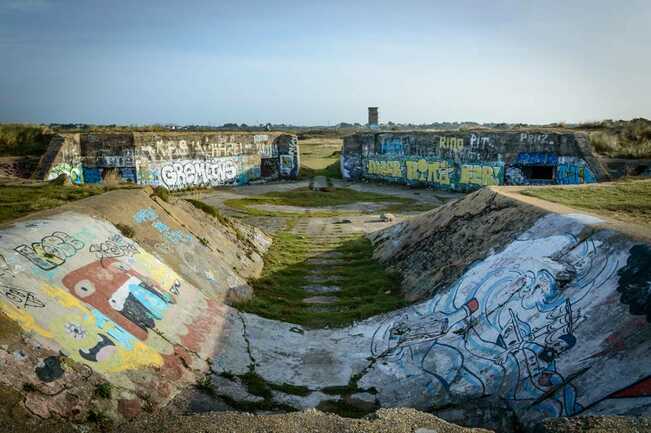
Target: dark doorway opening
{"type": "Point", "coordinates": [539, 172]}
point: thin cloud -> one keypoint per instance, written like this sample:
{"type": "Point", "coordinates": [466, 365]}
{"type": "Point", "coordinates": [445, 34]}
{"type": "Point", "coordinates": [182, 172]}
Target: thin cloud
{"type": "Point", "coordinates": [24, 6]}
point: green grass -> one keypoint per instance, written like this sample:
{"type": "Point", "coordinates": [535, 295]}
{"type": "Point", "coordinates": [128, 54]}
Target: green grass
{"type": "Point", "coordinates": [332, 170]}
{"type": "Point", "coordinates": [627, 200]}
{"type": "Point", "coordinates": [20, 200]}
{"type": "Point", "coordinates": [367, 288]}
{"type": "Point", "coordinates": [22, 140]}
{"type": "Point", "coordinates": [210, 210]}
{"type": "Point", "coordinates": [126, 230]}
{"type": "Point", "coordinates": [621, 139]}
{"type": "Point", "coordinates": [103, 390]}
{"type": "Point", "coordinates": [204, 384]}
{"type": "Point", "coordinates": [320, 157]}
{"type": "Point", "coordinates": [162, 193]}
{"type": "Point", "coordinates": [305, 197]}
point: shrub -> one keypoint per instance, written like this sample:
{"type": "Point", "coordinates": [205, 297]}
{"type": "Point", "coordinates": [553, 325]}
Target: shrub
{"type": "Point", "coordinates": [111, 178]}
{"type": "Point", "coordinates": [103, 390]}
{"type": "Point", "coordinates": [205, 384]}
{"type": "Point", "coordinates": [127, 231]}
{"type": "Point", "coordinates": [210, 210]}
{"type": "Point", "coordinates": [29, 387]}
{"type": "Point", "coordinates": [23, 140]}
{"type": "Point", "coordinates": [162, 193]}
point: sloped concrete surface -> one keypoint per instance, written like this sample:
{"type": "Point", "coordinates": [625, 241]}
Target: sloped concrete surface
{"type": "Point", "coordinates": [549, 319]}
{"type": "Point", "coordinates": [94, 307]}
{"type": "Point", "coordinates": [551, 324]}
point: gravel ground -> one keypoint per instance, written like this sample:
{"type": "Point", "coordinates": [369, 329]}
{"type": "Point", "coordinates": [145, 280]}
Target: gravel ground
{"type": "Point", "coordinates": [309, 421]}
{"type": "Point", "coordinates": [595, 424]}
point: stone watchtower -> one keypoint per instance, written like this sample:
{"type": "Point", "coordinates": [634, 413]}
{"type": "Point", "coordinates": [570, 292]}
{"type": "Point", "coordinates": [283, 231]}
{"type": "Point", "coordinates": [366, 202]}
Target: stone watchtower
{"type": "Point", "coordinates": [373, 117]}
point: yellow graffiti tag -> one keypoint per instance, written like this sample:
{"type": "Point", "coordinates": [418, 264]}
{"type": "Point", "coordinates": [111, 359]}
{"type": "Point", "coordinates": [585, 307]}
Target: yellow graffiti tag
{"type": "Point", "coordinates": [385, 168]}
{"type": "Point", "coordinates": [480, 175]}
{"type": "Point", "coordinates": [432, 172]}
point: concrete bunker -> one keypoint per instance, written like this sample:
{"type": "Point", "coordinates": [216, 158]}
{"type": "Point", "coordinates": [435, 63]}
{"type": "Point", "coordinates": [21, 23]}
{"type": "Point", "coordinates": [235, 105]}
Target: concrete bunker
{"type": "Point", "coordinates": [172, 160]}
{"type": "Point", "coordinates": [466, 161]}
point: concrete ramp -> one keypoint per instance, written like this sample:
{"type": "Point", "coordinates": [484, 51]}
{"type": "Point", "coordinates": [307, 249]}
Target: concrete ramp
{"type": "Point", "coordinates": [83, 305]}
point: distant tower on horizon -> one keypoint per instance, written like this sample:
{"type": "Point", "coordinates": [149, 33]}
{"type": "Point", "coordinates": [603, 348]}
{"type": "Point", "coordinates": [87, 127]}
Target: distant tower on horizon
{"type": "Point", "coordinates": [373, 117]}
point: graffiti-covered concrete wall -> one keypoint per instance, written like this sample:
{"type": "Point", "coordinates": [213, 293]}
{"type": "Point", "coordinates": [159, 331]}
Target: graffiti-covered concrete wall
{"type": "Point", "coordinates": [91, 306]}
{"type": "Point", "coordinates": [469, 160]}
{"type": "Point", "coordinates": [554, 322]}
{"type": "Point", "coordinates": [172, 160]}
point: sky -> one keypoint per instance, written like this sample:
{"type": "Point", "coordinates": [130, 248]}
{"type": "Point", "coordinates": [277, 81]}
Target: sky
{"type": "Point", "coordinates": [323, 62]}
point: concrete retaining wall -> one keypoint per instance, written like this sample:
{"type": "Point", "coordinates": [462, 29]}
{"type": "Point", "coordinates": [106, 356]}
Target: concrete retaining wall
{"type": "Point", "coordinates": [172, 160]}
{"type": "Point", "coordinates": [470, 160]}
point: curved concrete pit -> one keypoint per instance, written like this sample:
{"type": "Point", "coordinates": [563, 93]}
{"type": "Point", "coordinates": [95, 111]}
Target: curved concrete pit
{"type": "Point", "coordinates": [501, 314]}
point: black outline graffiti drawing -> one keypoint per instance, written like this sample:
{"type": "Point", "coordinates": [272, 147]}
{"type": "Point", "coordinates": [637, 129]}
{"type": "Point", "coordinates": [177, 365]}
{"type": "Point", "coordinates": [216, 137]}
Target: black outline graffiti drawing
{"type": "Point", "coordinates": [114, 246]}
{"type": "Point", "coordinates": [21, 298]}
{"type": "Point", "coordinates": [4, 267]}
{"type": "Point", "coordinates": [52, 251]}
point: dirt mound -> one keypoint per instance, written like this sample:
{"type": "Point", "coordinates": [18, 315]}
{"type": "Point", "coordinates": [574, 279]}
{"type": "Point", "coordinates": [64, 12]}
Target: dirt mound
{"type": "Point", "coordinates": [432, 250]}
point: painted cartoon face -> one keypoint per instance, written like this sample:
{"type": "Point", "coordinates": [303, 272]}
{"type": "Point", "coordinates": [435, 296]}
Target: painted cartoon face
{"type": "Point", "coordinates": [120, 293]}
{"type": "Point", "coordinates": [533, 365]}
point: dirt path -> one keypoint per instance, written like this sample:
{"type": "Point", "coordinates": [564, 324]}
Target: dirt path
{"type": "Point", "coordinates": [602, 219]}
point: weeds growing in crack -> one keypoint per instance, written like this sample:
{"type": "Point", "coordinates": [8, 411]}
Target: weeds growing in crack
{"type": "Point", "coordinates": [205, 385]}
{"type": "Point", "coordinates": [103, 390]}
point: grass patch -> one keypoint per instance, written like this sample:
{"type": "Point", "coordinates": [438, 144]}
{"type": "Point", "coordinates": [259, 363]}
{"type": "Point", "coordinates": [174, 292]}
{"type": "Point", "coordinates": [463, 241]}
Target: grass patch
{"type": "Point", "coordinates": [103, 390]}
{"type": "Point", "coordinates": [343, 409]}
{"type": "Point", "coordinates": [626, 200]}
{"type": "Point", "coordinates": [204, 384]}
{"type": "Point", "coordinates": [162, 193]}
{"type": "Point", "coordinates": [126, 230]}
{"type": "Point", "coordinates": [366, 287]}
{"type": "Point", "coordinates": [302, 391]}
{"type": "Point", "coordinates": [20, 200]}
{"type": "Point", "coordinates": [332, 170]}
{"type": "Point", "coordinates": [621, 139]}
{"type": "Point", "coordinates": [103, 422]}
{"type": "Point", "coordinates": [29, 387]}
{"type": "Point", "coordinates": [23, 140]}
{"type": "Point", "coordinates": [305, 197]}
{"type": "Point", "coordinates": [320, 157]}
{"type": "Point", "coordinates": [210, 210]}
{"type": "Point", "coordinates": [256, 385]}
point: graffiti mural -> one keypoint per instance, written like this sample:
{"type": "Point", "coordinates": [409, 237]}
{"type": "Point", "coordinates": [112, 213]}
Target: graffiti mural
{"type": "Point", "coordinates": [572, 170]}
{"type": "Point", "coordinates": [484, 175]}
{"type": "Point", "coordinates": [185, 174]}
{"type": "Point", "coordinates": [149, 215]}
{"type": "Point", "coordinates": [175, 161]}
{"type": "Point", "coordinates": [52, 250]}
{"type": "Point", "coordinates": [97, 297]}
{"type": "Point", "coordinates": [635, 281]}
{"type": "Point", "coordinates": [72, 172]}
{"type": "Point", "coordinates": [466, 161]}
{"type": "Point", "coordinates": [444, 173]}
{"type": "Point", "coordinates": [505, 326]}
